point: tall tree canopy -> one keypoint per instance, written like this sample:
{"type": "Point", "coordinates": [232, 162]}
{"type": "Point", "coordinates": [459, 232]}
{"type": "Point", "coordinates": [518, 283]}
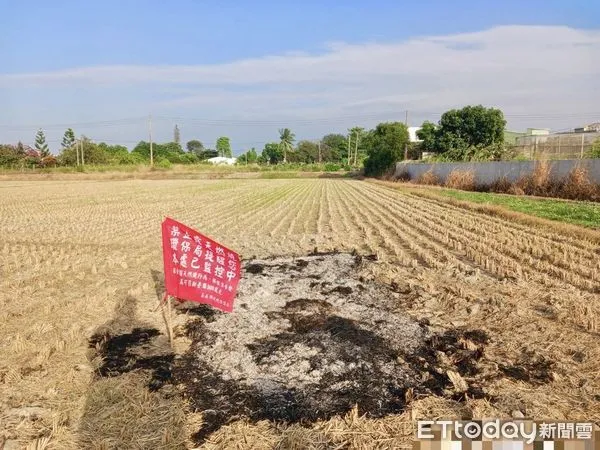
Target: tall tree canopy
{"type": "Point", "coordinates": [194, 146]}
{"type": "Point", "coordinates": [427, 134]}
{"type": "Point", "coordinates": [306, 152]}
{"type": "Point", "coordinates": [286, 141]}
{"type": "Point", "coordinates": [170, 151]}
{"type": "Point", "coordinates": [272, 153]}
{"type": "Point", "coordinates": [68, 138]}
{"type": "Point", "coordinates": [385, 147]}
{"type": "Point", "coordinates": [462, 132]}
{"type": "Point", "coordinates": [335, 145]}
{"type": "Point", "coordinates": [224, 147]}
{"type": "Point", "coordinates": [93, 153]}
{"type": "Point", "coordinates": [356, 139]}
{"type": "Point", "coordinates": [250, 157]}
{"type": "Point", "coordinates": [40, 144]}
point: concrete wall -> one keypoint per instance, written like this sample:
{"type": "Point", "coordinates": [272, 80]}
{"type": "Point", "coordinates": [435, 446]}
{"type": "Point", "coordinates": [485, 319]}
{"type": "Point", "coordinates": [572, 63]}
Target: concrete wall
{"type": "Point", "coordinates": [488, 172]}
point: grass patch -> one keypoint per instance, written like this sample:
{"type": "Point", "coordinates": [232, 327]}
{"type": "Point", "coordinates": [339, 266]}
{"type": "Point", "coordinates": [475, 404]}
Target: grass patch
{"type": "Point", "coordinates": [574, 212]}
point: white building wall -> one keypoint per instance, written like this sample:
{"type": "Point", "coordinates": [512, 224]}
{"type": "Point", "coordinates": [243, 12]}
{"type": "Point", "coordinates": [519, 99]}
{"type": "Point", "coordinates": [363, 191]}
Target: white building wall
{"type": "Point", "coordinates": [412, 134]}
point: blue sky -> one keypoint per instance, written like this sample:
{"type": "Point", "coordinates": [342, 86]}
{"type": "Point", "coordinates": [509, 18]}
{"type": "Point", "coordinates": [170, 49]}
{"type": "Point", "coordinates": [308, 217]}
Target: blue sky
{"type": "Point", "coordinates": [245, 69]}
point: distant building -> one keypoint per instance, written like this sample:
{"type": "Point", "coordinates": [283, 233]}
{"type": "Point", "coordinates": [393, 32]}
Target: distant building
{"type": "Point", "coordinates": [222, 160]}
{"type": "Point", "coordinates": [537, 132]}
{"type": "Point", "coordinates": [412, 134]}
{"type": "Point", "coordinates": [588, 128]}
{"type": "Point", "coordinates": [522, 138]}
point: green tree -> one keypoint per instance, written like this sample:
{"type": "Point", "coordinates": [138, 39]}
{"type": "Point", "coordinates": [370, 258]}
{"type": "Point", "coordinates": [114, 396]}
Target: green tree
{"type": "Point", "coordinates": [386, 147]}
{"type": "Point", "coordinates": [171, 151]}
{"type": "Point", "coordinates": [224, 147]}
{"type": "Point", "coordinates": [250, 157]}
{"type": "Point", "coordinates": [119, 154]}
{"type": "Point", "coordinates": [114, 150]}
{"type": "Point", "coordinates": [207, 154]}
{"type": "Point", "coordinates": [286, 142]}
{"type": "Point", "coordinates": [173, 148]}
{"type": "Point", "coordinates": [40, 144]}
{"type": "Point", "coordinates": [468, 133]}
{"type": "Point", "coordinates": [356, 136]}
{"type": "Point", "coordinates": [306, 152]}
{"type": "Point", "coordinates": [68, 139]}
{"type": "Point", "coordinates": [195, 146]}
{"type": "Point", "coordinates": [92, 153]}
{"type": "Point", "coordinates": [176, 135]}
{"type": "Point", "coordinates": [333, 147]}
{"type": "Point", "coordinates": [143, 150]}
{"type": "Point", "coordinates": [428, 136]}
{"type": "Point", "coordinates": [9, 156]}
{"type": "Point", "coordinates": [272, 153]}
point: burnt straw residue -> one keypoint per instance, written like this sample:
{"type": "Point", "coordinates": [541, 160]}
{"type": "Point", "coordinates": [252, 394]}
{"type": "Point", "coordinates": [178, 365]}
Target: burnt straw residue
{"type": "Point", "coordinates": [209, 313]}
{"type": "Point", "coordinates": [309, 338]}
{"type": "Point", "coordinates": [316, 339]}
{"type": "Point", "coordinates": [356, 367]}
{"type": "Point", "coordinates": [132, 351]}
{"type": "Point", "coordinates": [531, 368]}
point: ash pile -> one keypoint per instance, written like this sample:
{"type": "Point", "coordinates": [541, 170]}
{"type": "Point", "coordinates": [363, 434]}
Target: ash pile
{"type": "Point", "coordinates": [309, 338]}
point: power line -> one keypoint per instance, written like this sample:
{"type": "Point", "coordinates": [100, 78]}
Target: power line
{"type": "Point", "coordinates": [275, 122]}
{"type": "Point", "coordinates": [97, 124]}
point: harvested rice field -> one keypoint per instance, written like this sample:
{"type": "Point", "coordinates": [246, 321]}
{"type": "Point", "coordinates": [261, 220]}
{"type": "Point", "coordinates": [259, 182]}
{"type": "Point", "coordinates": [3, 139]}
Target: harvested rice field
{"type": "Point", "coordinates": [361, 308]}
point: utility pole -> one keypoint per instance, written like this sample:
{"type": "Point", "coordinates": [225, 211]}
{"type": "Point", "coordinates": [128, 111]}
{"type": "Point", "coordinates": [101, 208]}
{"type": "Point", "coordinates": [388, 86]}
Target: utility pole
{"type": "Point", "coordinates": [150, 133]}
{"type": "Point", "coordinates": [77, 151]}
{"type": "Point", "coordinates": [406, 143]}
{"type": "Point", "coordinates": [82, 158]}
{"type": "Point", "coordinates": [349, 134]}
{"type": "Point", "coordinates": [356, 149]}
{"type": "Point", "coordinates": [319, 145]}
{"type": "Point", "coordinates": [582, 142]}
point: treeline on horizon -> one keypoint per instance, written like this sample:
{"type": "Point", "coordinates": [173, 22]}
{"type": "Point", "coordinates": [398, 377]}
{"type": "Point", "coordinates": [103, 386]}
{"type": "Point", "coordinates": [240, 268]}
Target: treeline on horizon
{"type": "Point", "coordinates": [473, 133]}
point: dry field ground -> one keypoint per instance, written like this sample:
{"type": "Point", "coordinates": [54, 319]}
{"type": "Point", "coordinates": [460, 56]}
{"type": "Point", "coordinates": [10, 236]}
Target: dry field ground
{"type": "Point", "coordinates": [509, 306]}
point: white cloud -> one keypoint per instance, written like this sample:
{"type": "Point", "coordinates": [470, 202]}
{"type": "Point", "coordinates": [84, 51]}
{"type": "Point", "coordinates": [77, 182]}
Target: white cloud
{"type": "Point", "coordinates": [525, 70]}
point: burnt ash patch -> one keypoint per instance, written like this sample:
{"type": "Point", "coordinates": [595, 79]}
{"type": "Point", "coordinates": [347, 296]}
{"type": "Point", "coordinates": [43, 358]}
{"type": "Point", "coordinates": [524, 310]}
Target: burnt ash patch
{"type": "Point", "coordinates": [309, 339]}
{"type": "Point", "coordinates": [531, 368]}
{"type": "Point", "coordinates": [317, 347]}
{"type": "Point", "coordinates": [127, 352]}
{"type": "Point", "coordinates": [453, 344]}
{"type": "Point", "coordinates": [337, 339]}
{"type": "Point", "coordinates": [366, 385]}
{"type": "Point", "coordinates": [198, 309]}
{"type": "Point", "coordinates": [345, 290]}
{"type": "Point", "coordinates": [254, 269]}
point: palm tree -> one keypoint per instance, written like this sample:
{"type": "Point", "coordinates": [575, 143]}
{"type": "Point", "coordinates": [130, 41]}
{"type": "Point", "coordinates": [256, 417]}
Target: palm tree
{"type": "Point", "coordinates": [357, 133]}
{"type": "Point", "coordinates": [286, 141]}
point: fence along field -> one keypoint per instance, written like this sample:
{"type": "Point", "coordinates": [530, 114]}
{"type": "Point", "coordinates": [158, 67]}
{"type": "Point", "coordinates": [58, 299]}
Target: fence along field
{"type": "Point", "coordinates": [79, 263]}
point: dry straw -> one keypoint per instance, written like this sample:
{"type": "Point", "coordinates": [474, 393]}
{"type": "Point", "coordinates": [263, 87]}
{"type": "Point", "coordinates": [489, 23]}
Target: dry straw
{"type": "Point", "coordinates": [461, 179]}
{"type": "Point", "coordinates": [540, 182]}
{"type": "Point", "coordinates": [527, 282]}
